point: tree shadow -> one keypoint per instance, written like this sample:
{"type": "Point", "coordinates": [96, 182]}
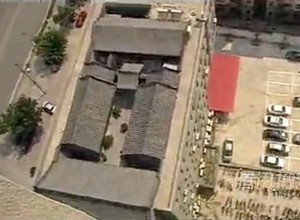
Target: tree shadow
{"type": "Point", "coordinates": [33, 138]}
{"type": "Point", "coordinates": [41, 69]}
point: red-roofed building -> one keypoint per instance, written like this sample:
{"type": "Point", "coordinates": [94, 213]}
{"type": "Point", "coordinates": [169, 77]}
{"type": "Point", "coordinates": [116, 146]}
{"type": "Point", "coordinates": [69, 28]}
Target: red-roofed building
{"type": "Point", "coordinates": [222, 83]}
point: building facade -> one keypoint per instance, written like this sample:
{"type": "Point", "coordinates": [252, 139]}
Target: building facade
{"type": "Point", "coordinates": [272, 11]}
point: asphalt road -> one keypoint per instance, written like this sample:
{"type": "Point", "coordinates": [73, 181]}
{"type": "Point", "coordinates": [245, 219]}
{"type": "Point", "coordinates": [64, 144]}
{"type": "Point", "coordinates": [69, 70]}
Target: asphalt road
{"type": "Point", "coordinates": [19, 23]}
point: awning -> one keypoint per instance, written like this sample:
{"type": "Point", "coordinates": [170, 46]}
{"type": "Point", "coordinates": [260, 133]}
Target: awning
{"type": "Point", "coordinates": [222, 82]}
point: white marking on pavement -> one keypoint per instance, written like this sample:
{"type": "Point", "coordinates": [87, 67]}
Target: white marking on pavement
{"type": "Point", "coordinates": [282, 72]}
{"type": "Point", "coordinates": [278, 94]}
{"type": "Point", "coordinates": [283, 83]}
{"type": "Point", "coordinates": [294, 158]}
{"type": "Point", "coordinates": [295, 120]}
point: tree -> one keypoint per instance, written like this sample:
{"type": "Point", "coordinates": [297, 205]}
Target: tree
{"type": "Point", "coordinates": [107, 142]}
{"type": "Point", "coordinates": [21, 119]}
{"type": "Point", "coordinates": [65, 15]}
{"type": "Point", "coordinates": [116, 112]}
{"type": "Point", "coordinates": [51, 46]}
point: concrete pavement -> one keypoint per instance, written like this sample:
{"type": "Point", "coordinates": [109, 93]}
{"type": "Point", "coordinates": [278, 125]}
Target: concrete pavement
{"type": "Point", "coordinates": [19, 23]}
{"type": "Point", "coordinates": [78, 46]}
{"type": "Point", "coordinates": [60, 88]}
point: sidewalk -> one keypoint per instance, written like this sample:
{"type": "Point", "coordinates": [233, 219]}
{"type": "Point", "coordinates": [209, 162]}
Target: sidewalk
{"type": "Point", "coordinates": [60, 89]}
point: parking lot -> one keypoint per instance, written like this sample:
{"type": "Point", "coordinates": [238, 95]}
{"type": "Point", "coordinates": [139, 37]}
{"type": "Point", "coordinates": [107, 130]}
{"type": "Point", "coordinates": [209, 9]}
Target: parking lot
{"type": "Point", "coordinates": [256, 195]}
{"type": "Point", "coordinates": [265, 78]}
{"type": "Point", "coordinates": [282, 86]}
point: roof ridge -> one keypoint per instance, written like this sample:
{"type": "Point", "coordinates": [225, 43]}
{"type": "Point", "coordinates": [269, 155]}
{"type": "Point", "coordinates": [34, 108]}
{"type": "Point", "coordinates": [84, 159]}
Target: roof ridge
{"type": "Point", "coordinates": [155, 82]}
{"type": "Point", "coordinates": [98, 78]}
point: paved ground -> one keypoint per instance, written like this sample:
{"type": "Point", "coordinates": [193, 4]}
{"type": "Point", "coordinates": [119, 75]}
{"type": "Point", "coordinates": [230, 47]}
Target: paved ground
{"type": "Point", "coordinates": [262, 81]}
{"type": "Point", "coordinates": [60, 89]}
{"type": "Point", "coordinates": [15, 201]}
{"type": "Point", "coordinates": [19, 23]}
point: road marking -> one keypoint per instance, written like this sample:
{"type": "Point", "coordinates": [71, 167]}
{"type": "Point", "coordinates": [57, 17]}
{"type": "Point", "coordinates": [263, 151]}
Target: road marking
{"type": "Point", "coordinates": [278, 94]}
{"type": "Point", "coordinates": [283, 83]}
{"type": "Point", "coordinates": [295, 120]}
{"type": "Point", "coordinates": [288, 163]}
{"type": "Point", "coordinates": [294, 158]}
{"type": "Point", "coordinates": [282, 72]}
{"type": "Point", "coordinates": [267, 90]}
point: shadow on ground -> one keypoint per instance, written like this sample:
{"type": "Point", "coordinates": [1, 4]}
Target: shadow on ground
{"type": "Point", "coordinates": [9, 149]}
{"type": "Point", "coordinates": [245, 47]}
{"type": "Point", "coordinates": [41, 69]}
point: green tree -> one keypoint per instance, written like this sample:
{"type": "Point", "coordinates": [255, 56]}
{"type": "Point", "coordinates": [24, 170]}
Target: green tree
{"type": "Point", "coordinates": [107, 142]}
{"type": "Point", "coordinates": [116, 112]}
{"type": "Point", "coordinates": [51, 47]}
{"type": "Point", "coordinates": [21, 119]}
{"type": "Point", "coordinates": [64, 16]}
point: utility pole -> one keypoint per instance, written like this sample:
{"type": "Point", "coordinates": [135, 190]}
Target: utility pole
{"type": "Point", "coordinates": [26, 73]}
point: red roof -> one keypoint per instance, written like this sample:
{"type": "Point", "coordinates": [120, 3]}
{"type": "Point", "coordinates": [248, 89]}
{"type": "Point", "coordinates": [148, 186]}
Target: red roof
{"type": "Point", "coordinates": [222, 82]}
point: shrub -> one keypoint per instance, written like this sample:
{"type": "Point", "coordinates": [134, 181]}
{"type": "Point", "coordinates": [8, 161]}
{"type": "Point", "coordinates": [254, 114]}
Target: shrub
{"type": "Point", "coordinates": [107, 142]}
{"type": "Point", "coordinates": [124, 128]}
{"type": "Point", "coordinates": [116, 112]}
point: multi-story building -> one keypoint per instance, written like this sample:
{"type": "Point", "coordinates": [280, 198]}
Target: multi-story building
{"type": "Point", "coordinates": [151, 62]}
{"type": "Point", "coordinates": [274, 11]}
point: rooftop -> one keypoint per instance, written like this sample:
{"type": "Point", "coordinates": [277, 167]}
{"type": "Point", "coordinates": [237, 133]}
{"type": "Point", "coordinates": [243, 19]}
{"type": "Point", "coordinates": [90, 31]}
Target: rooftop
{"type": "Point", "coordinates": [140, 36]}
{"type": "Point", "coordinates": [151, 116]}
{"type": "Point", "coordinates": [128, 80]}
{"type": "Point", "coordinates": [105, 182]}
{"type": "Point", "coordinates": [90, 109]}
{"type": "Point", "coordinates": [170, 168]}
{"type": "Point", "coordinates": [19, 203]}
{"type": "Point", "coordinates": [132, 67]}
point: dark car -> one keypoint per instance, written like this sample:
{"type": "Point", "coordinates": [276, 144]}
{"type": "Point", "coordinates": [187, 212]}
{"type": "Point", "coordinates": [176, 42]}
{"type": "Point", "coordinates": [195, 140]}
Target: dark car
{"type": "Point", "coordinates": [296, 139]}
{"type": "Point", "coordinates": [227, 150]}
{"type": "Point", "coordinates": [296, 101]}
{"type": "Point", "coordinates": [293, 55]}
{"type": "Point", "coordinates": [275, 135]}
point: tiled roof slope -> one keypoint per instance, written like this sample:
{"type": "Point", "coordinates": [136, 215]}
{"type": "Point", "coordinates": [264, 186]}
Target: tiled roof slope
{"type": "Point", "coordinates": [151, 116]}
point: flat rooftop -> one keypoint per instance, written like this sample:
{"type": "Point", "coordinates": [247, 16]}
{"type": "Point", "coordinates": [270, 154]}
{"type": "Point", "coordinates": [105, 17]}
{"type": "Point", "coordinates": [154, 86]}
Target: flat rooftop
{"type": "Point", "coordinates": [170, 167]}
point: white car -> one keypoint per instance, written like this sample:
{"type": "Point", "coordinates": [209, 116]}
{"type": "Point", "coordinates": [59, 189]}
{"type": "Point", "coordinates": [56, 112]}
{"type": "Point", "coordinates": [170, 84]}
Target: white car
{"type": "Point", "coordinates": [276, 121]}
{"type": "Point", "coordinates": [49, 107]}
{"type": "Point", "coordinates": [272, 161]}
{"type": "Point", "coordinates": [279, 110]}
{"type": "Point", "coordinates": [279, 148]}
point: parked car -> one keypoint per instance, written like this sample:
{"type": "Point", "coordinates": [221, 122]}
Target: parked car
{"type": "Point", "coordinates": [227, 150]}
{"type": "Point", "coordinates": [276, 121]}
{"type": "Point", "coordinates": [49, 107]}
{"type": "Point", "coordinates": [272, 161]}
{"type": "Point", "coordinates": [296, 139]}
{"type": "Point", "coordinates": [279, 110]}
{"type": "Point", "coordinates": [296, 102]}
{"type": "Point", "coordinates": [279, 148]}
{"type": "Point", "coordinates": [293, 55]}
{"type": "Point", "coordinates": [275, 135]}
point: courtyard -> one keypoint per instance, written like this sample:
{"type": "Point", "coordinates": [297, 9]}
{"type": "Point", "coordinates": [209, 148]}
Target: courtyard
{"type": "Point", "coordinates": [265, 78]}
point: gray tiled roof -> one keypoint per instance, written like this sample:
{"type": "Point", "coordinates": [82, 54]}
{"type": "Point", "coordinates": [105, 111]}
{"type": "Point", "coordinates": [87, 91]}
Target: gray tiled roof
{"type": "Point", "coordinates": [90, 109]}
{"type": "Point", "coordinates": [166, 77]}
{"type": "Point", "coordinates": [104, 182]}
{"type": "Point", "coordinates": [142, 36]}
{"type": "Point", "coordinates": [151, 118]}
